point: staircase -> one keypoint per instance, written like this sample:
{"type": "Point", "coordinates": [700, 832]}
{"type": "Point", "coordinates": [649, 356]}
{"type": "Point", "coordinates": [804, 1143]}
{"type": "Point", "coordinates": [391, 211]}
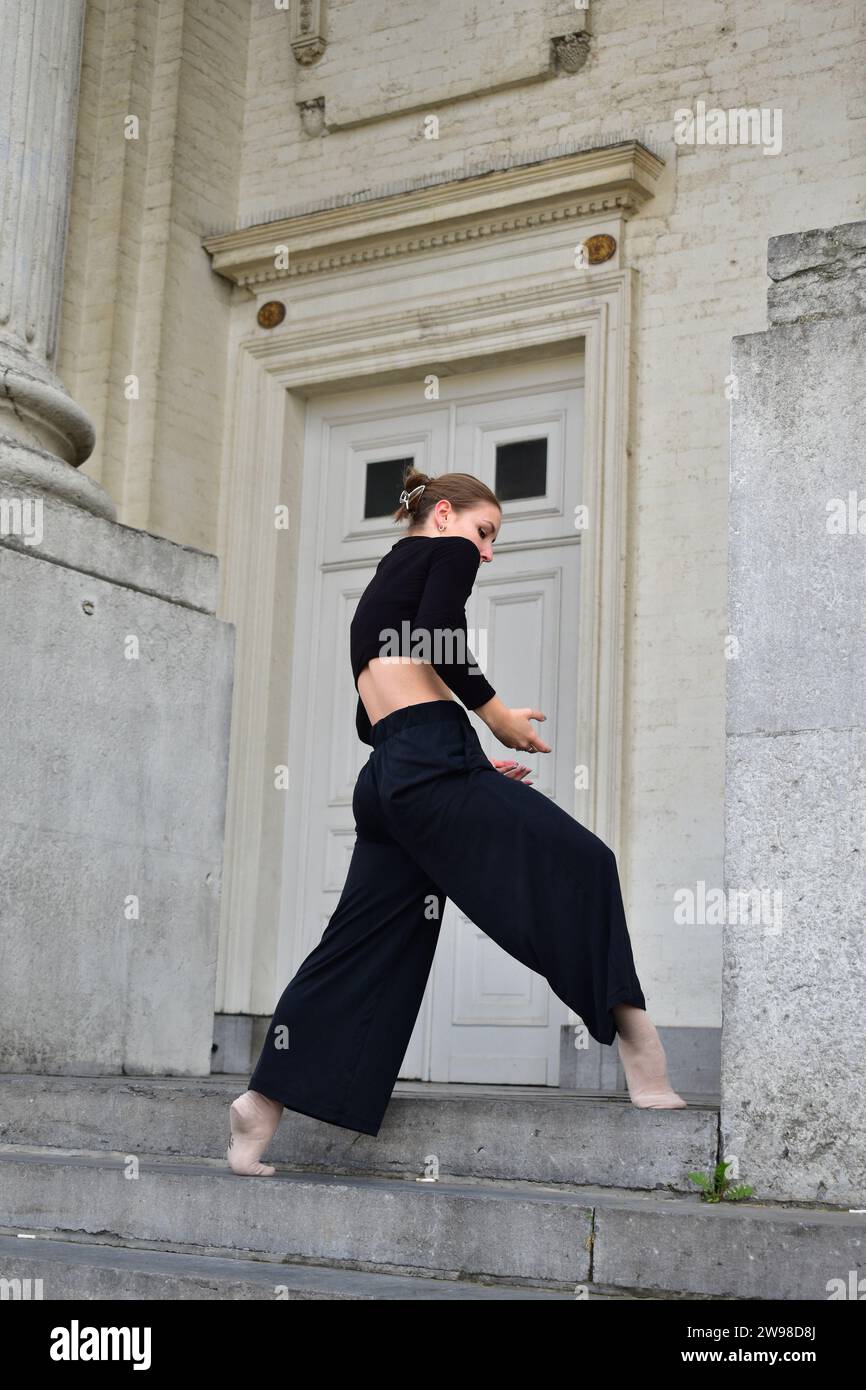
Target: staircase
{"type": "Point", "coordinates": [117, 1188]}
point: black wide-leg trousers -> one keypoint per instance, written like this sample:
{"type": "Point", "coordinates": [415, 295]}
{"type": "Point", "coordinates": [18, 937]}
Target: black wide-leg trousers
{"type": "Point", "coordinates": [434, 819]}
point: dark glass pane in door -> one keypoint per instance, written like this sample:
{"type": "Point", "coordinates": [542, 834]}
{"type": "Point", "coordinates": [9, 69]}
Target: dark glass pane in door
{"type": "Point", "coordinates": [521, 469]}
{"type": "Point", "coordinates": [383, 485]}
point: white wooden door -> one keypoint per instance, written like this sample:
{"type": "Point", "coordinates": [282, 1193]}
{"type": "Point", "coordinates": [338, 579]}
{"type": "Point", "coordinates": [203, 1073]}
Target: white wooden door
{"type": "Point", "coordinates": [485, 1017]}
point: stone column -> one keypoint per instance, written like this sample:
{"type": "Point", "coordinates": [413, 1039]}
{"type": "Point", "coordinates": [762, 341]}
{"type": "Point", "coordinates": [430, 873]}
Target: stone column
{"type": "Point", "coordinates": [793, 1060]}
{"type": "Point", "coordinates": [44, 435]}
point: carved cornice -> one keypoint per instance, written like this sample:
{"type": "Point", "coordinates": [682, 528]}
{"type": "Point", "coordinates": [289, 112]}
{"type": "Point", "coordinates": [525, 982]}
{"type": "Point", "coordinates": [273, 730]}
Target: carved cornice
{"type": "Point", "coordinates": [392, 247]}
{"type": "Point", "coordinates": [615, 180]}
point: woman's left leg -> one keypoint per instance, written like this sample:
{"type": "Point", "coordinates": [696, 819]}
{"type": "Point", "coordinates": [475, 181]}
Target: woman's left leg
{"type": "Point", "coordinates": [342, 1025]}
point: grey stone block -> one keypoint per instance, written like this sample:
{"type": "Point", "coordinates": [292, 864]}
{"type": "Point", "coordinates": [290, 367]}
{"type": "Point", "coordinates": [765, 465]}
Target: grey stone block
{"type": "Point", "coordinates": [78, 540]}
{"type": "Point", "coordinates": [728, 1250]}
{"type": "Point", "coordinates": [793, 1072]}
{"type": "Point", "coordinates": [793, 1107]}
{"type": "Point", "coordinates": [388, 1225]}
{"type": "Point", "coordinates": [113, 791]}
{"type": "Point", "coordinates": [75, 1270]}
{"type": "Point", "coordinates": [819, 273]}
{"type": "Point", "coordinates": [795, 589]}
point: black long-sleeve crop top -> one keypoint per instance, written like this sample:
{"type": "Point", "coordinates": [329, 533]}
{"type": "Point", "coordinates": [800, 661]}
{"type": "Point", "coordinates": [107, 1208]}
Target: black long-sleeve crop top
{"type": "Point", "coordinates": [414, 606]}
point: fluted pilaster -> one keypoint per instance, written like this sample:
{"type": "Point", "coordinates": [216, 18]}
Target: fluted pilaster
{"type": "Point", "coordinates": [44, 435]}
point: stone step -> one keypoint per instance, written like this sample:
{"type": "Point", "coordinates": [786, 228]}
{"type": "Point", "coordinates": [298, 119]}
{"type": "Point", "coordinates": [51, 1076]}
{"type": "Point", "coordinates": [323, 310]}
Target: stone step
{"type": "Point", "coordinates": [526, 1133]}
{"type": "Point", "coordinates": [559, 1237]}
{"type": "Point", "coordinates": [77, 1270]}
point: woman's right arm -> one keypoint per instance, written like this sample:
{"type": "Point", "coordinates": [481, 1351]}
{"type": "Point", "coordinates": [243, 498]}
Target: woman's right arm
{"type": "Point", "coordinates": [512, 726]}
{"type": "Point", "coordinates": [453, 568]}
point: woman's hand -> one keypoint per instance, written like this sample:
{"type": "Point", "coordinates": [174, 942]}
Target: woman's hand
{"type": "Point", "coordinates": [512, 726]}
{"type": "Point", "coordinates": [515, 731]}
{"type": "Point", "coordinates": [516, 771]}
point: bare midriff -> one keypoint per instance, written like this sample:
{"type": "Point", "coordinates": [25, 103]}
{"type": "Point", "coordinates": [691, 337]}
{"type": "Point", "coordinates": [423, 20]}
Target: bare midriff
{"type": "Point", "coordinates": [388, 685]}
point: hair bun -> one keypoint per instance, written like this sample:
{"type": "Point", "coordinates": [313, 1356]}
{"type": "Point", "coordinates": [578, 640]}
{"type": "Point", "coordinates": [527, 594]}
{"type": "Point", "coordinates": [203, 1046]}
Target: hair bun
{"type": "Point", "coordinates": [415, 479]}
{"type": "Point", "coordinates": [421, 492]}
{"type": "Point", "coordinates": [414, 484]}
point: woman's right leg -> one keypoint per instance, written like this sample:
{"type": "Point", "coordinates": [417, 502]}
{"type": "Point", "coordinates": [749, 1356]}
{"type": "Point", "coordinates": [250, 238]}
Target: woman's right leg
{"type": "Point", "coordinates": [643, 1059]}
{"type": "Point", "coordinates": [342, 1025]}
{"type": "Point", "coordinates": [540, 884]}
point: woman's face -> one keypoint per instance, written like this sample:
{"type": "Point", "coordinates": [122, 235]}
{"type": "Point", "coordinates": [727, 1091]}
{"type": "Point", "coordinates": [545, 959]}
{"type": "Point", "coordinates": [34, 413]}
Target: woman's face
{"type": "Point", "coordinates": [479, 524]}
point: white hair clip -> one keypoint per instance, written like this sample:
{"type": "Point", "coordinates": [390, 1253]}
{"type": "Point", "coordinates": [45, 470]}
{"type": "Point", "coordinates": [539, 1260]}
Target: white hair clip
{"type": "Point", "coordinates": [406, 497]}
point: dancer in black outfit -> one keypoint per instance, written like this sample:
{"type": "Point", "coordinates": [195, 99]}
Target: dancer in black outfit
{"type": "Point", "coordinates": [436, 819]}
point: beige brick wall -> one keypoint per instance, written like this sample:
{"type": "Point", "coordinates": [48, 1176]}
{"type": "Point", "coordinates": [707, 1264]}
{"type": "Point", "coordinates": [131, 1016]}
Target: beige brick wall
{"type": "Point", "coordinates": [700, 249]}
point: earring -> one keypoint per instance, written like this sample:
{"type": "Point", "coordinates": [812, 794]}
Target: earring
{"type": "Point", "coordinates": [441, 528]}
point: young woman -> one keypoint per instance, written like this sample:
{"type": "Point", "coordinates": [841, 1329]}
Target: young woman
{"type": "Point", "coordinates": [436, 819]}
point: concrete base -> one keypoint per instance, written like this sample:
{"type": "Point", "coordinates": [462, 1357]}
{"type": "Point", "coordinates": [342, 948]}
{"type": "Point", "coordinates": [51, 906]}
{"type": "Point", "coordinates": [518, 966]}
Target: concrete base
{"type": "Point", "coordinates": [115, 709]}
{"type": "Point", "coordinates": [694, 1058]}
{"type": "Point", "coordinates": [237, 1041]}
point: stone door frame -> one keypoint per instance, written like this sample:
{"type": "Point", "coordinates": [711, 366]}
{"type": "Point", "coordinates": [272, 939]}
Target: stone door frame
{"type": "Point", "coordinates": [342, 330]}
